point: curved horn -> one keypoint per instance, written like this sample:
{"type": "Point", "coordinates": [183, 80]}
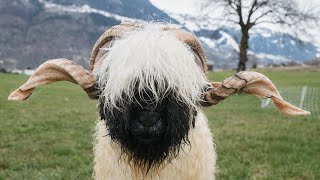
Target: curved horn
{"type": "Point", "coordinates": [191, 40]}
{"type": "Point", "coordinates": [114, 32]}
{"type": "Point", "coordinates": [56, 70]}
{"type": "Point", "coordinates": [251, 83]}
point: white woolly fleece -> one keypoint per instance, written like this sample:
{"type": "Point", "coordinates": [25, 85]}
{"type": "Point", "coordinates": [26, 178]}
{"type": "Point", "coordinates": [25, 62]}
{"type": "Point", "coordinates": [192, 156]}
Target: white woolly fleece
{"type": "Point", "coordinates": [147, 56]}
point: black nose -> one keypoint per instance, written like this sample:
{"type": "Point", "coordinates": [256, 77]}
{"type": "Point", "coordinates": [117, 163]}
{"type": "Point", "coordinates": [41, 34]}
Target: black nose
{"type": "Point", "coordinates": [149, 119]}
{"type": "Point", "coordinates": [147, 126]}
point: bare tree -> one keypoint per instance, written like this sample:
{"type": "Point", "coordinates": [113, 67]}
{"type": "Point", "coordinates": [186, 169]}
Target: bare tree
{"type": "Point", "coordinates": [250, 13]}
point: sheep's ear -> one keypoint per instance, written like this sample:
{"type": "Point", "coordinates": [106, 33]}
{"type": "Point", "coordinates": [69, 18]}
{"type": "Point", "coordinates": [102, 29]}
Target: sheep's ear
{"type": "Point", "coordinates": [52, 71]}
{"type": "Point", "coordinates": [251, 83]}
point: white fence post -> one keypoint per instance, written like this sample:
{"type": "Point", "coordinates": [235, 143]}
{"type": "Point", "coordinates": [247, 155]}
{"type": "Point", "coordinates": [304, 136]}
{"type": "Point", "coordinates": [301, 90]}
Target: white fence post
{"type": "Point", "coordinates": [265, 102]}
{"type": "Point", "coordinates": [303, 93]}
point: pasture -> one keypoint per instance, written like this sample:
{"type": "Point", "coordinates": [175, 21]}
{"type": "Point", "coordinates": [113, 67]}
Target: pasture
{"type": "Point", "coordinates": [49, 136]}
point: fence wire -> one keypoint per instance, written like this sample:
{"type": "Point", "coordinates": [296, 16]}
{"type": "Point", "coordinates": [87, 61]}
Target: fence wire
{"type": "Point", "coordinates": [307, 98]}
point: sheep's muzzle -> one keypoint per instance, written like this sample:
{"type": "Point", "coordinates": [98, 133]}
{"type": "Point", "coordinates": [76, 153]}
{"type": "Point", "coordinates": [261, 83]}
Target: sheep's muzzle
{"type": "Point", "coordinates": [148, 123]}
{"type": "Point", "coordinates": [148, 132]}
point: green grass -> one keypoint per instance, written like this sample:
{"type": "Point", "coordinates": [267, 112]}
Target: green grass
{"type": "Point", "coordinates": [49, 136]}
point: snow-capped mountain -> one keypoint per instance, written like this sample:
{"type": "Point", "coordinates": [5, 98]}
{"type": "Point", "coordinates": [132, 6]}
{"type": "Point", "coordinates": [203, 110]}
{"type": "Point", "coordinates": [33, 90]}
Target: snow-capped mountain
{"type": "Point", "coordinates": [123, 10]}
{"type": "Point", "coordinates": [266, 45]}
{"type": "Point", "coordinates": [33, 31]}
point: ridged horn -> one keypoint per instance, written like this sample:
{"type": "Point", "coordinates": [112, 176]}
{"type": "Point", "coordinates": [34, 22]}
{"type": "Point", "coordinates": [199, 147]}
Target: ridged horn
{"type": "Point", "coordinates": [252, 83]}
{"type": "Point", "coordinates": [114, 32]}
{"type": "Point", "coordinates": [56, 70]}
{"type": "Point", "coordinates": [191, 40]}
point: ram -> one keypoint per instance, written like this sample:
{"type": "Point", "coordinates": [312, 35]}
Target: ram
{"type": "Point", "coordinates": [151, 82]}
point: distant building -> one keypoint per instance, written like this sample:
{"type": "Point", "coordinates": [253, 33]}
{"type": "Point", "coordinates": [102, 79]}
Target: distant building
{"type": "Point", "coordinates": [25, 71]}
{"type": "Point", "coordinates": [28, 71]}
{"type": "Point", "coordinates": [210, 65]}
{"type": "Point", "coordinates": [16, 71]}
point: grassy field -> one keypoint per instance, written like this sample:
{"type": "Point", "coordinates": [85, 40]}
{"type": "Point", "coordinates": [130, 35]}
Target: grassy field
{"type": "Point", "coordinates": [49, 136]}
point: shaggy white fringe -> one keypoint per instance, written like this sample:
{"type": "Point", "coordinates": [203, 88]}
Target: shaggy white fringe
{"type": "Point", "coordinates": [150, 56]}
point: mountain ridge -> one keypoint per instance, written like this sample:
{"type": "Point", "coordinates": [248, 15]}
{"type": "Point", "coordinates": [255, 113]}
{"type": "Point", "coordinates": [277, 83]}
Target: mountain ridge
{"type": "Point", "coordinates": [34, 31]}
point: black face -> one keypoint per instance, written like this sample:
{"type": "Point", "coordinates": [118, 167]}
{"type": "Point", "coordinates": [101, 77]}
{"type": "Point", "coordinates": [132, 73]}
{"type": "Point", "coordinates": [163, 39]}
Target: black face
{"type": "Point", "coordinates": [149, 133]}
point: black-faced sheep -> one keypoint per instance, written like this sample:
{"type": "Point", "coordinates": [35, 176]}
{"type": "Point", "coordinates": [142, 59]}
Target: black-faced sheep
{"type": "Point", "coordinates": [151, 82]}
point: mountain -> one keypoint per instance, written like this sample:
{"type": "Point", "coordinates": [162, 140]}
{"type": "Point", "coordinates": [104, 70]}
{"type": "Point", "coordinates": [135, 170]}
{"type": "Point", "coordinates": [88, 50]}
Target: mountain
{"type": "Point", "coordinates": [137, 9]}
{"type": "Point", "coordinates": [33, 31]}
{"type": "Point", "coordinates": [266, 46]}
